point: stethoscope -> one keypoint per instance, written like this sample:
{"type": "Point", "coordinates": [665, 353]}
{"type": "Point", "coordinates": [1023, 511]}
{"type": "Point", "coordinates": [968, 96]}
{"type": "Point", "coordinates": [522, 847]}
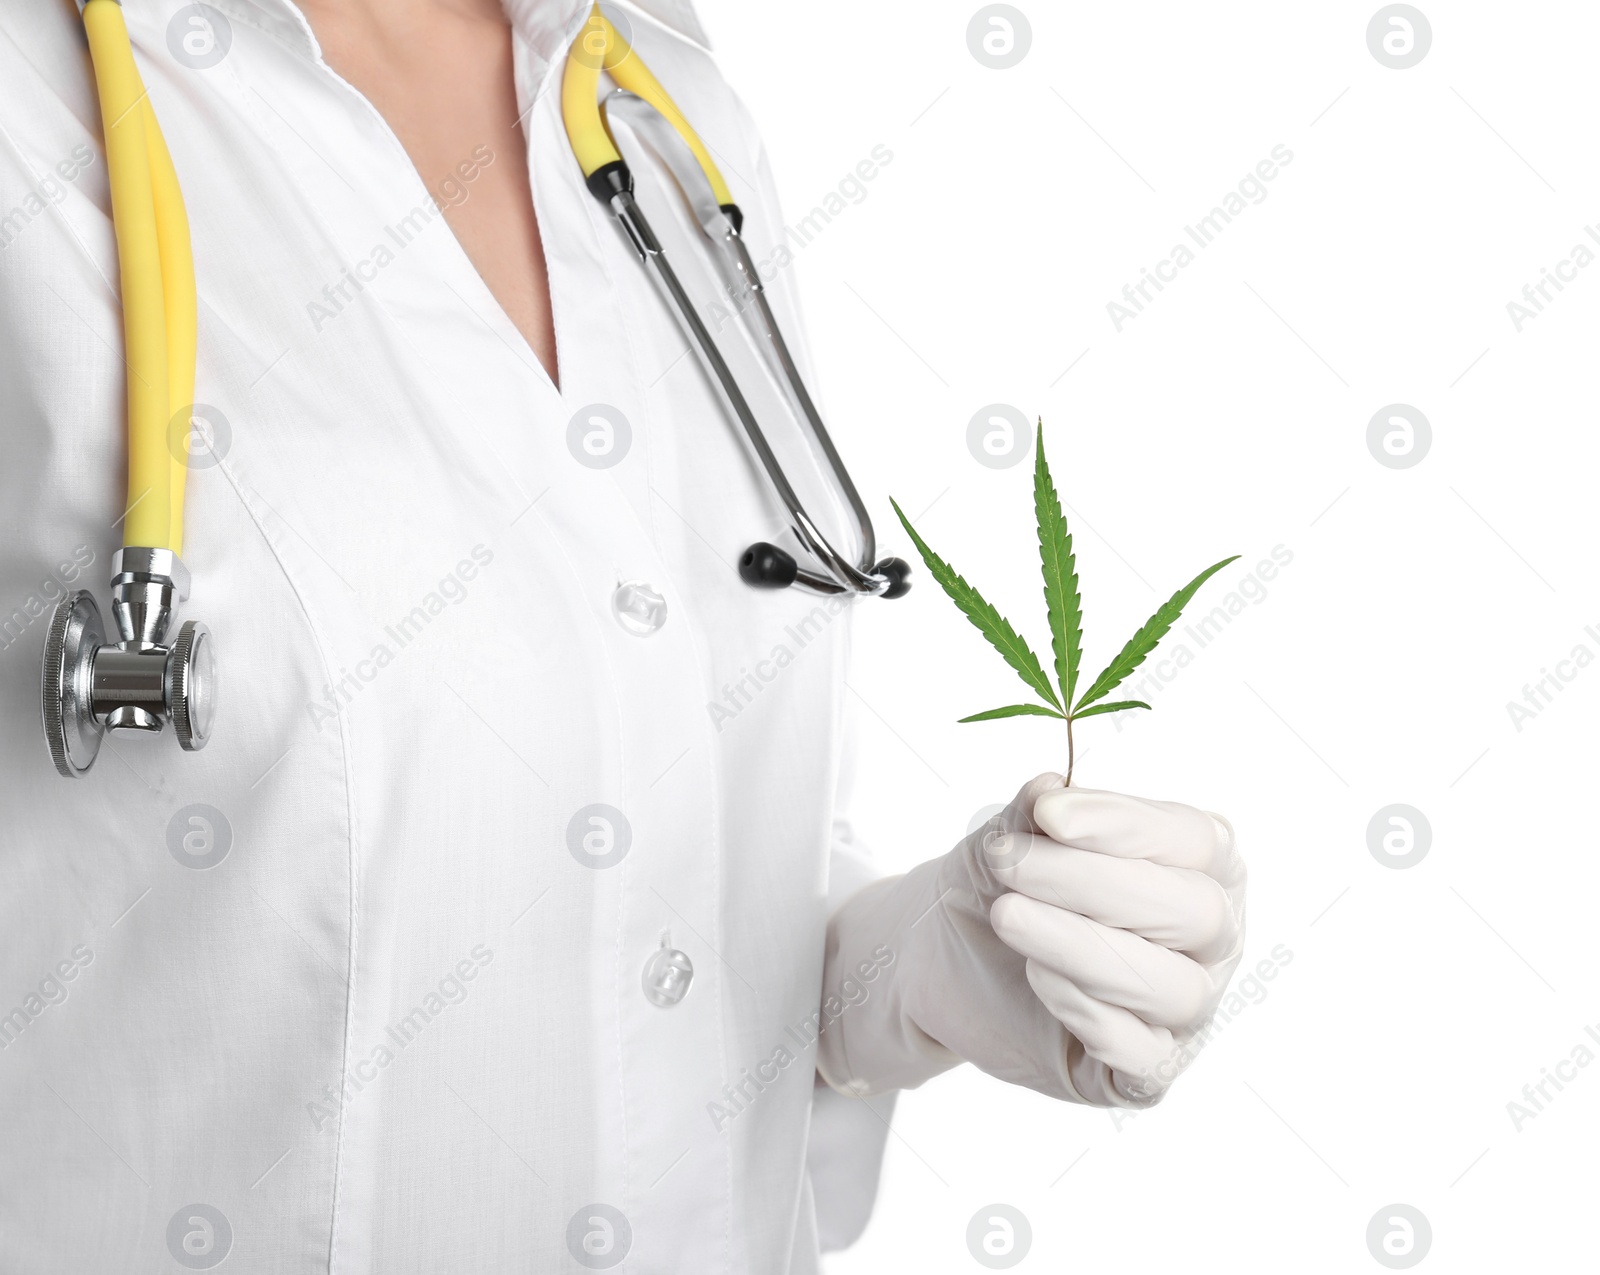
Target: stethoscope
{"type": "Point", "coordinates": [641, 101]}
{"type": "Point", "coordinates": [143, 681]}
{"type": "Point", "coordinates": [140, 682]}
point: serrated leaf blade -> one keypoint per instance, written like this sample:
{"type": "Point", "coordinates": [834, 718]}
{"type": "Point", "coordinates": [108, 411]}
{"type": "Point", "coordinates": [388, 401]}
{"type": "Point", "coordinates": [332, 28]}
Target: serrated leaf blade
{"type": "Point", "coordinates": [1110, 708]}
{"type": "Point", "coordinates": [1012, 710]}
{"type": "Point", "coordinates": [1145, 640]}
{"type": "Point", "coordinates": [1060, 569]}
{"type": "Point", "coordinates": [994, 626]}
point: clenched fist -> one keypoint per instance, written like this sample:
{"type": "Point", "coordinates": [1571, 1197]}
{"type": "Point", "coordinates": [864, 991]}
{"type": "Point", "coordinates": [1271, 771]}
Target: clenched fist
{"type": "Point", "coordinates": [1076, 944]}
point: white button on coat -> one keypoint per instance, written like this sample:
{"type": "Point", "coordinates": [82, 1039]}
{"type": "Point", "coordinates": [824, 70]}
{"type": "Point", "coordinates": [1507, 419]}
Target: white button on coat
{"type": "Point", "coordinates": [668, 975]}
{"type": "Point", "coordinates": [397, 1026]}
{"type": "Point", "coordinates": [639, 608]}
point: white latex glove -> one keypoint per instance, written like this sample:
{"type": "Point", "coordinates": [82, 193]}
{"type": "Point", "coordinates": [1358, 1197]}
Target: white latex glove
{"type": "Point", "coordinates": [1078, 944]}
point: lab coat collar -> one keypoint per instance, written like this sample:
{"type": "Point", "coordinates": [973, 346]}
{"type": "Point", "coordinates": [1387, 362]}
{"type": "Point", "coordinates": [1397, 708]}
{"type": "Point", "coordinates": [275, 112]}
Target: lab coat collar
{"type": "Point", "coordinates": [548, 26]}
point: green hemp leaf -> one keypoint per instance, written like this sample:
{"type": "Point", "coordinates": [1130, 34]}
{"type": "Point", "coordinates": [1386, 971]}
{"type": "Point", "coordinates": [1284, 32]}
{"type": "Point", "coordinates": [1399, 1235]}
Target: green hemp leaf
{"type": "Point", "coordinates": [1065, 610]}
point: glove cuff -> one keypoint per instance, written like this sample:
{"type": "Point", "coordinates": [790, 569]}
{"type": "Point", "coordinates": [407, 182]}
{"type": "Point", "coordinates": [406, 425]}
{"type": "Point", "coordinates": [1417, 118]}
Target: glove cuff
{"type": "Point", "coordinates": [869, 1042]}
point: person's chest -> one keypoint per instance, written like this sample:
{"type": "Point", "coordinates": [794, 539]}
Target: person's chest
{"type": "Point", "coordinates": [460, 615]}
{"type": "Point", "coordinates": [443, 79]}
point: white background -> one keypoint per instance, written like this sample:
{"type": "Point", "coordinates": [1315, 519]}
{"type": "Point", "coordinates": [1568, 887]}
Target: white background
{"type": "Point", "coordinates": [1231, 416]}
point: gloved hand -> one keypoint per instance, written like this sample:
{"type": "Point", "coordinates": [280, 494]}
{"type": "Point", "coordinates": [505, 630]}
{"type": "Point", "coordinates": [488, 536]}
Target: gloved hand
{"type": "Point", "coordinates": [1077, 944]}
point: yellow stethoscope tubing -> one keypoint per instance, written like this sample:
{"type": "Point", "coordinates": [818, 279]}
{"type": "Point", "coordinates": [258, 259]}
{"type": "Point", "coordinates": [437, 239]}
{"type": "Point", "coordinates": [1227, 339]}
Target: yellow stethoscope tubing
{"type": "Point", "coordinates": [182, 314]}
{"type": "Point", "coordinates": [600, 46]}
{"type": "Point", "coordinates": [156, 269]}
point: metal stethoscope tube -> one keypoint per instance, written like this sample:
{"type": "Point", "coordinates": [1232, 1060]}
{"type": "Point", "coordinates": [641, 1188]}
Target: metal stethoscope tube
{"type": "Point", "coordinates": [842, 575]}
{"type": "Point", "coordinates": [646, 107]}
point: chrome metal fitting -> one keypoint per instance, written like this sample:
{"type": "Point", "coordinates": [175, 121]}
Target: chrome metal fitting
{"type": "Point", "coordinates": [91, 686]}
{"type": "Point", "coordinates": [147, 586]}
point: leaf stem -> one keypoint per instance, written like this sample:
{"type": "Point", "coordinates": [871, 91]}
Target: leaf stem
{"type": "Point", "coordinates": [1070, 756]}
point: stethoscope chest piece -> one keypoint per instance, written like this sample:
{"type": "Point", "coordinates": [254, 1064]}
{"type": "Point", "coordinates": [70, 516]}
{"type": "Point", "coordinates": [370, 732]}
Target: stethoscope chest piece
{"type": "Point", "coordinates": [138, 683]}
{"type": "Point", "coordinates": [70, 728]}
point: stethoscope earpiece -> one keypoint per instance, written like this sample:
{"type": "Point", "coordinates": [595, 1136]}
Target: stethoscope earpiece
{"type": "Point", "coordinates": [896, 569]}
{"type": "Point", "coordinates": [765, 566]}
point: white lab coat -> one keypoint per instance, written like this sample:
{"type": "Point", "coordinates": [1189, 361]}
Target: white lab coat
{"type": "Point", "coordinates": [341, 979]}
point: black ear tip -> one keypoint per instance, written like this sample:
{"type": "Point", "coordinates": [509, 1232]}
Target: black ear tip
{"type": "Point", "coordinates": [897, 569]}
{"type": "Point", "coordinates": [765, 566]}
